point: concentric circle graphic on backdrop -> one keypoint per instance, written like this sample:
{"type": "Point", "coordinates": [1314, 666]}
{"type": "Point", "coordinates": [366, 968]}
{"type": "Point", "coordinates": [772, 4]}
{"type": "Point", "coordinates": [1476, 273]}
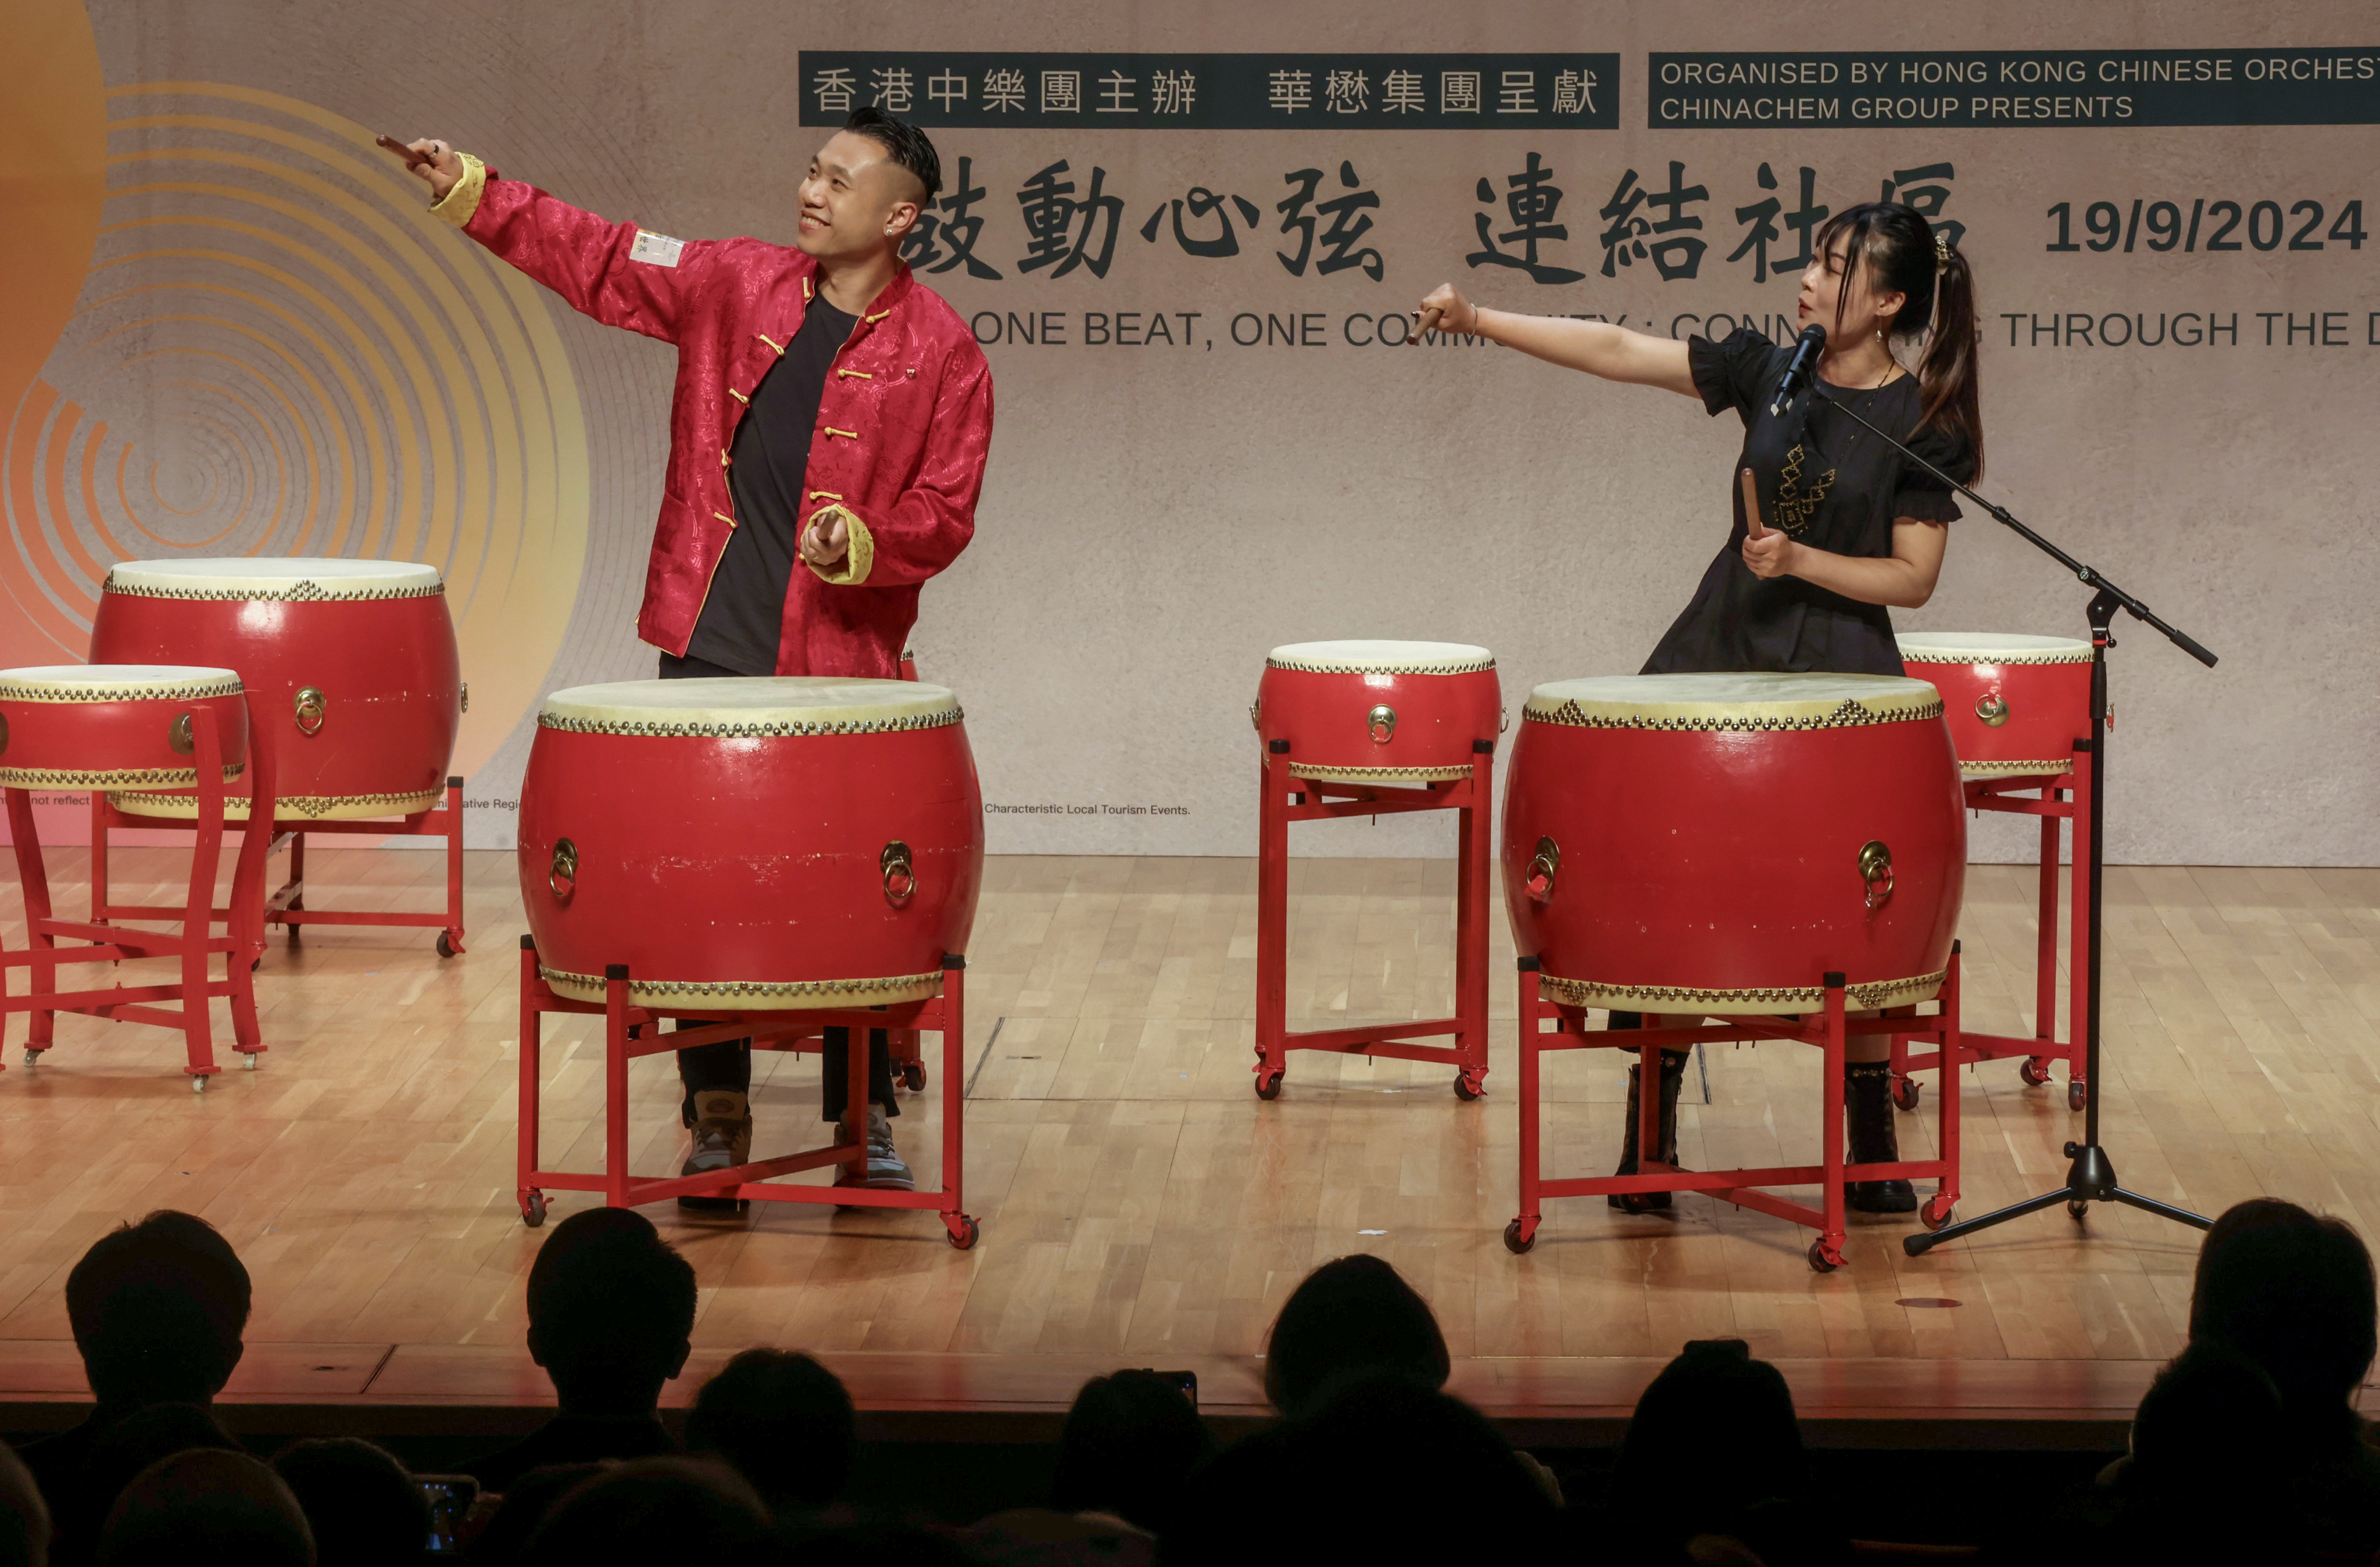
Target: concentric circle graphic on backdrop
{"type": "Point", "coordinates": [277, 350]}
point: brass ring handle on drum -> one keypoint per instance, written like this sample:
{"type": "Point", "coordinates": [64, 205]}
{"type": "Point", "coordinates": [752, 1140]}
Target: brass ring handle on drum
{"type": "Point", "coordinates": [1993, 710]}
{"type": "Point", "coordinates": [562, 876]}
{"type": "Point", "coordinates": [3, 735]}
{"type": "Point", "coordinates": [899, 874]}
{"type": "Point", "coordinates": [181, 736]}
{"type": "Point", "coordinates": [1542, 866]}
{"type": "Point", "coordinates": [467, 696]}
{"type": "Point", "coordinates": [1380, 723]}
{"type": "Point", "coordinates": [1876, 873]}
{"type": "Point", "coordinates": [1256, 715]}
{"type": "Point", "coordinates": [311, 706]}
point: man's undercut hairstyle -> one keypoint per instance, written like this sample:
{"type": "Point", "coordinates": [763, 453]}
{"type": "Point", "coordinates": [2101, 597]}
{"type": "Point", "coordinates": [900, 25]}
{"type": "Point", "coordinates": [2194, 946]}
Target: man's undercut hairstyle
{"type": "Point", "coordinates": [905, 143]}
{"type": "Point", "coordinates": [157, 1310]}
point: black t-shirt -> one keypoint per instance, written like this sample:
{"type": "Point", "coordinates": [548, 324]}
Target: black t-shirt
{"type": "Point", "coordinates": [743, 618]}
{"type": "Point", "coordinates": [1829, 484]}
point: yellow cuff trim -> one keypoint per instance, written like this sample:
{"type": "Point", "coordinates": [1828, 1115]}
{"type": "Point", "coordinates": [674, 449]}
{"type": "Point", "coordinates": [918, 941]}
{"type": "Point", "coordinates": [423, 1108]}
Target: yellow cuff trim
{"type": "Point", "coordinates": [859, 560]}
{"type": "Point", "coordinates": [460, 203]}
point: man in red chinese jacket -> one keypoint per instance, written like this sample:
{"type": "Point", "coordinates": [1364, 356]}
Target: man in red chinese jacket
{"type": "Point", "coordinates": [830, 412]}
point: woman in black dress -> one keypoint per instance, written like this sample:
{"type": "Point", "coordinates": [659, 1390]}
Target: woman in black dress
{"type": "Point", "coordinates": [1850, 527]}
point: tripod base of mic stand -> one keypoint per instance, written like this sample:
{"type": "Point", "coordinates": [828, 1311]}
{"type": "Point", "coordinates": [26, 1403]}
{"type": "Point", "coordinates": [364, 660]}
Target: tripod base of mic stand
{"type": "Point", "coordinates": [2090, 1179]}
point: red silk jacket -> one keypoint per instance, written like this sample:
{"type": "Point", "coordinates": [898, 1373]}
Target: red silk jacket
{"type": "Point", "coordinates": [902, 434]}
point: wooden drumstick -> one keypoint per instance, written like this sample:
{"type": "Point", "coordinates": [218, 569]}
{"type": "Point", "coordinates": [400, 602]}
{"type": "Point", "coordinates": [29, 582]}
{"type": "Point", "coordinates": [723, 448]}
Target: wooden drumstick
{"type": "Point", "coordinates": [1423, 321]}
{"type": "Point", "coordinates": [1752, 507]}
{"type": "Point", "coordinates": [412, 158]}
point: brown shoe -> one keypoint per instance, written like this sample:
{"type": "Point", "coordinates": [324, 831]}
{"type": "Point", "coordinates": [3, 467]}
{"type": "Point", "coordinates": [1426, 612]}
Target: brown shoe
{"type": "Point", "coordinates": [722, 1139]}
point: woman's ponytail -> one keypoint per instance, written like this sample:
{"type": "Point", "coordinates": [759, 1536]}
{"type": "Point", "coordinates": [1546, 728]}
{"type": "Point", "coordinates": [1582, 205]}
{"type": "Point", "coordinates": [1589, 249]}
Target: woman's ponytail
{"type": "Point", "coordinates": [1946, 372]}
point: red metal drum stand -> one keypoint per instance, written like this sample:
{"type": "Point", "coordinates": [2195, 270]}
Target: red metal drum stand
{"type": "Point", "coordinates": [136, 726]}
{"type": "Point", "coordinates": [630, 1030]}
{"type": "Point", "coordinates": [2017, 707]}
{"type": "Point", "coordinates": [1828, 1030]}
{"type": "Point", "coordinates": [1373, 728]}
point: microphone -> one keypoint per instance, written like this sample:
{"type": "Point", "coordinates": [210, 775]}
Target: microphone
{"type": "Point", "coordinates": [1804, 365]}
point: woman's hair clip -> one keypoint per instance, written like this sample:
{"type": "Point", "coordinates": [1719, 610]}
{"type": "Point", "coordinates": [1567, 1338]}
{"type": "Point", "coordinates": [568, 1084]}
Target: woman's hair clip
{"type": "Point", "coordinates": [1941, 253]}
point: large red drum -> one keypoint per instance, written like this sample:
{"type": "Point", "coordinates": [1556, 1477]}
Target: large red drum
{"type": "Point", "coordinates": [1719, 843]}
{"type": "Point", "coordinates": [356, 657]}
{"type": "Point", "coordinates": [751, 843]}
{"type": "Point", "coordinates": [1378, 712]}
{"type": "Point", "coordinates": [2016, 704]}
{"type": "Point", "coordinates": [115, 726]}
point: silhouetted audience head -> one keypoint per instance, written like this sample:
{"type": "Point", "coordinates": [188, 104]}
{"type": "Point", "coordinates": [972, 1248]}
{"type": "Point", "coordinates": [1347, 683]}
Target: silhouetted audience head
{"type": "Point", "coordinates": [157, 1310]}
{"type": "Point", "coordinates": [1129, 1441]}
{"type": "Point", "coordinates": [24, 1521]}
{"type": "Point", "coordinates": [505, 1536]}
{"type": "Point", "coordinates": [875, 1545]}
{"type": "Point", "coordinates": [2293, 1293]}
{"type": "Point", "coordinates": [2210, 1425]}
{"type": "Point", "coordinates": [651, 1510]}
{"type": "Point", "coordinates": [134, 1444]}
{"type": "Point", "coordinates": [1384, 1468]}
{"type": "Point", "coordinates": [1351, 1315]}
{"type": "Point", "coordinates": [1715, 1448]}
{"type": "Point", "coordinates": [1713, 1413]}
{"type": "Point", "coordinates": [206, 1505]}
{"type": "Point", "coordinates": [363, 1508]}
{"type": "Point", "coordinates": [610, 1312]}
{"type": "Point", "coordinates": [785, 1424]}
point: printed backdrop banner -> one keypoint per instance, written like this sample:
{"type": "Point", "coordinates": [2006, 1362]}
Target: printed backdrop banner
{"type": "Point", "coordinates": [1186, 238]}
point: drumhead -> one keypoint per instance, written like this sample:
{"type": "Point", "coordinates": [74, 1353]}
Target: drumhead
{"type": "Point", "coordinates": [116, 683]}
{"type": "Point", "coordinates": [776, 705]}
{"type": "Point", "coordinates": [1989, 648]}
{"type": "Point", "coordinates": [294, 577]}
{"type": "Point", "coordinates": [1381, 658]}
{"type": "Point", "coordinates": [1733, 702]}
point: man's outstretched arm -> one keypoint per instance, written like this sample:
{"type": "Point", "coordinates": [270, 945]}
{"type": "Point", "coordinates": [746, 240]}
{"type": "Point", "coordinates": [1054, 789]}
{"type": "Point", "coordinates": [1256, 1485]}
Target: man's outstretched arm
{"type": "Point", "coordinates": [599, 267]}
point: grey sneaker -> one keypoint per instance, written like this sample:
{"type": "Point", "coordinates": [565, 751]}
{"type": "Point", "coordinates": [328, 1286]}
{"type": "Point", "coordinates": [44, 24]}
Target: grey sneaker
{"type": "Point", "coordinates": [885, 1170]}
{"type": "Point", "coordinates": [722, 1139]}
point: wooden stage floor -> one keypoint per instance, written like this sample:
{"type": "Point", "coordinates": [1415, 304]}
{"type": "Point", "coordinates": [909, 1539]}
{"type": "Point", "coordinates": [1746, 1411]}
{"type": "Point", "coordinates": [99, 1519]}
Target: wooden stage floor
{"type": "Point", "coordinates": [1141, 1207]}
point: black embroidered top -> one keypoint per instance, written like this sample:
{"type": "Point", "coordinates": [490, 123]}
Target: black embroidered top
{"type": "Point", "coordinates": [1828, 483]}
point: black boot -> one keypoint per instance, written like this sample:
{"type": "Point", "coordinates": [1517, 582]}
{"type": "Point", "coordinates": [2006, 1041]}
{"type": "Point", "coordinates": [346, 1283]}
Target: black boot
{"type": "Point", "coordinates": [1867, 1115]}
{"type": "Point", "coordinates": [1673, 1077]}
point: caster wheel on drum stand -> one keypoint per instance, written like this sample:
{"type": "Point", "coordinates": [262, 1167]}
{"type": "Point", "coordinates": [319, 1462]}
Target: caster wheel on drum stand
{"type": "Point", "coordinates": [2078, 1095]}
{"type": "Point", "coordinates": [1904, 1093]}
{"type": "Point", "coordinates": [1269, 1085]}
{"type": "Point", "coordinates": [2078, 1210]}
{"type": "Point", "coordinates": [449, 944]}
{"type": "Point", "coordinates": [32, 1057]}
{"type": "Point", "coordinates": [198, 1085]}
{"type": "Point", "coordinates": [532, 1207]}
{"type": "Point", "coordinates": [1936, 1213]}
{"type": "Point", "coordinates": [1518, 1240]}
{"type": "Point", "coordinates": [2034, 1071]}
{"type": "Point", "coordinates": [248, 1059]}
{"type": "Point", "coordinates": [963, 1231]}
{"type": "Point", "coordinates": [1470, 1085]}
{"type": "Point", "coordinates": [1825, 1256]}
{"type": "Point", "coordinates": [913, 1076]}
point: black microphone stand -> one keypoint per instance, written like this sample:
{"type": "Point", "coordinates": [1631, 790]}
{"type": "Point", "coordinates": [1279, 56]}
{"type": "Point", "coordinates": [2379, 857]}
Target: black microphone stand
{"type": "Point", "coordinates": [2090, 1177]}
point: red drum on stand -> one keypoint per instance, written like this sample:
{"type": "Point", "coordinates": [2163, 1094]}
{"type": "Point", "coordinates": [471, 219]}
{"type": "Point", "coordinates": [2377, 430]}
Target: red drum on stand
{"type": "Point", "coordinates": [1716, 843]}
{"type": "Point", "coordinates": [2015, 703]}
{"type": "Point", "coordinates": [751, 843]}
{"type": "Point", "coordinates": [1378, 712]}
{"type": "Point", "coordinates": [357, 656]}
{"type": "Point", "coordinates": [2017, 707]}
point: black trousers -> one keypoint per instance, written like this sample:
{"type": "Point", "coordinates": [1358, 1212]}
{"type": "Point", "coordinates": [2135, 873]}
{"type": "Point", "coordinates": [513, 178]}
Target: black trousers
{"type": "Point", "coordinates": [728, 1063]}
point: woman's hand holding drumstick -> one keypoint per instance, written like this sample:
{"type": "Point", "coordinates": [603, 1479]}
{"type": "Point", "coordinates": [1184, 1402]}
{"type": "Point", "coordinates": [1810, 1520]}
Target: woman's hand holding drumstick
{"type": "Point", "coordinates": [1767, 552]}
